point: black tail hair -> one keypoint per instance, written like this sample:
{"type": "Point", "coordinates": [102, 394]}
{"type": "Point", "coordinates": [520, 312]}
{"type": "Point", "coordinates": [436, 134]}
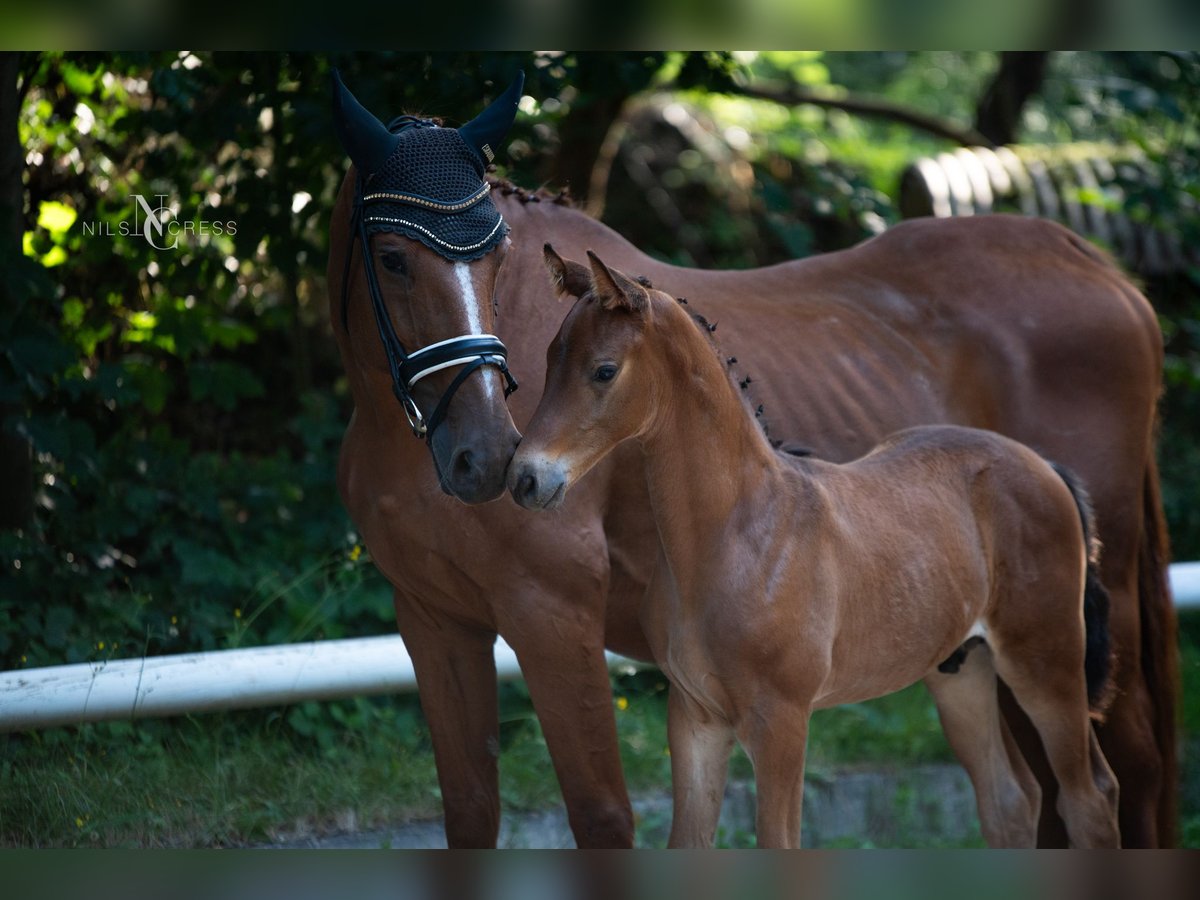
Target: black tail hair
{"type": "Point", "coordinates": [1097, 663]}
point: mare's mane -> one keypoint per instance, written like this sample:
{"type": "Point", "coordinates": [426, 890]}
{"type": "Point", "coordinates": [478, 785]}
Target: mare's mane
{"type": "Point", "coordinates": [524, 195]}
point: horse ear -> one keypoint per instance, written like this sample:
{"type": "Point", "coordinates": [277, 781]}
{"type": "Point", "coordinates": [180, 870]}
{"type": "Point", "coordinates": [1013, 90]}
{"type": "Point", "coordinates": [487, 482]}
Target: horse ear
{"type": "Point", "coordinates": [613, 289]}
{"type": "Point", "coordinates": [365, 139]}
{"type": "Point", "coordinates": [487, 131]}
{"type": "Point", "coordinates": [571, 279]}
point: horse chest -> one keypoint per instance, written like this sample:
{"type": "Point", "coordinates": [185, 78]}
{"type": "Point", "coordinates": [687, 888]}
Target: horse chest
{"type": "Point", "coordinates": [721, 646]}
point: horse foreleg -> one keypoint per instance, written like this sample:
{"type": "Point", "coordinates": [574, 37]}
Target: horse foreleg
{"type": "Point", "coordinates": [1006, 793]}
{"type": "Point", "coordinates": [562, 659]}
{"type": "Point", "coordinates": [456, 676]}
{"type": "Point", "coordinates": [775, 736]}
{"type": "Point", "coordinates": [700, 746]}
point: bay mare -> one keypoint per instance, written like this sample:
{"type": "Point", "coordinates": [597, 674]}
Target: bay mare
{"type": "Point", "coordinates": [787, 585]}
{"type": "Point", "coordinates": [1004, 323]}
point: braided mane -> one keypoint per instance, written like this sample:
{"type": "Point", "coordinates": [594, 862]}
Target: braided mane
{"type": "Point", "coordinates": [524, 195]}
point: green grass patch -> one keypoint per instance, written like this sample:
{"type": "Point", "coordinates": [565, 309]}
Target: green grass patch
{"type": "Point", "coordinates": [217, 780]}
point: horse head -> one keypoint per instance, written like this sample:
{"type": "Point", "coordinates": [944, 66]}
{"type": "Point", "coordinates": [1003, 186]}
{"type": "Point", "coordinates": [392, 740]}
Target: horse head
{"type": "Point", "coordinates": [416, 245]}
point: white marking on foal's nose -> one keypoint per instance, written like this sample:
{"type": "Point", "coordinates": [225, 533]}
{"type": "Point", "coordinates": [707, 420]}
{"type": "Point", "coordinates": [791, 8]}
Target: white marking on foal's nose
{"type": "Point", "coordinates": [462, 271]}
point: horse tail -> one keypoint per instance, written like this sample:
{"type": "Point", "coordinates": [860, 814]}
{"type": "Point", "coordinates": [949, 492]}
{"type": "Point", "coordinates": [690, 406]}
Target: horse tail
{"type": "Point", "coordinates": [1097, 660]}
{"type": "Point", "coordinates": [1160, 647]}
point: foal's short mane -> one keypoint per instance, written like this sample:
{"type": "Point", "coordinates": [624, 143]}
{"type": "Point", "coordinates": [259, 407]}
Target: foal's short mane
{"type": "Point", "coordinates": [708, 329]}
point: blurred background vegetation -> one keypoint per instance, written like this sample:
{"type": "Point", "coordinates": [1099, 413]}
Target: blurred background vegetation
{"type": "Point", "coordinates": [169, 420]}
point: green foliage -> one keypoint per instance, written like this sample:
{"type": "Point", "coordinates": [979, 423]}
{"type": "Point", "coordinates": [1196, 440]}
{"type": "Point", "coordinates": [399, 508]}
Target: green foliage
{"type": "Point", "coordinates": [145, 546]}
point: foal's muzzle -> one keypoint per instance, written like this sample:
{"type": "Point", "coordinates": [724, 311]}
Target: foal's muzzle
{"type": "Point", "coordinates": [536, 482]}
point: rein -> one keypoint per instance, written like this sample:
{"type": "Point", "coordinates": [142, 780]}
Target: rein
{"type": "Point", "coordinates": [470, 351]}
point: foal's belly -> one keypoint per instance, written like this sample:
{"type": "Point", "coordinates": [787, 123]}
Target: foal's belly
{"type": "Point", "coordinates": [906, 640]}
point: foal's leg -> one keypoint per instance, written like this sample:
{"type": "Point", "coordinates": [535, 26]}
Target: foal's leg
{"type": "Point", "coordinates": [1006, 792]}
{"type": "Point", "coordinates": [1046, 678]}
{"type": "Point", "coordinates": [456, 674]}
{"type": "Point", "coordinates": [775, 737]}
{"type": "Point", "coordinates": [700, 746]}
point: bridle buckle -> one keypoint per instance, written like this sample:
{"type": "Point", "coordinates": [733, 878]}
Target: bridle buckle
{"type": "Point", "coordinates": [412, 412]}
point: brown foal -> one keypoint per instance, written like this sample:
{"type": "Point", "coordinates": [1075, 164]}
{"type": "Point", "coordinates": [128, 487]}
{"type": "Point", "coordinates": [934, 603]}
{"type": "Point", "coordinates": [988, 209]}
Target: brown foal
{"type": "Point", "coordinates": [786, 585]}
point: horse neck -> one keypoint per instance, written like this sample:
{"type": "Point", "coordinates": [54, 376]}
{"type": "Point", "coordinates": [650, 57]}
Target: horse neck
{"type": "Point", "coordinates": [705, 453]}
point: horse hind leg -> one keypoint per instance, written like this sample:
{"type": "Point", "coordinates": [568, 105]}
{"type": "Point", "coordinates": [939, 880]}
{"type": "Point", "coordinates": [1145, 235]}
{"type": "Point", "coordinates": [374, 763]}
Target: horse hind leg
{"type": "Point", "coordinates": [1048, 683]}
{"type": "Point", "coordinates": [1128, 733]}
{"type": "Point", "coordinates": [1006, 793]}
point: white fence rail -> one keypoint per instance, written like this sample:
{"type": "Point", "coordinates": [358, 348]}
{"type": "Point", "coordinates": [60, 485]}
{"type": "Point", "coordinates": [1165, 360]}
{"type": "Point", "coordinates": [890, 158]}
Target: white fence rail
{"type": "Point", "coordinates": [261, 676]}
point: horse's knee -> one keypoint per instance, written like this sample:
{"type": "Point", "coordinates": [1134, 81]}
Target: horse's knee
{"type": "Point", "coordinates": [604, 826]}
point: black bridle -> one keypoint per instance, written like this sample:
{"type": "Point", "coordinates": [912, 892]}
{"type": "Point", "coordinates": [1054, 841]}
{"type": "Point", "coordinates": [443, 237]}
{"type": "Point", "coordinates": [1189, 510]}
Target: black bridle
{"type": "Point", "coordinates": [470, 351]}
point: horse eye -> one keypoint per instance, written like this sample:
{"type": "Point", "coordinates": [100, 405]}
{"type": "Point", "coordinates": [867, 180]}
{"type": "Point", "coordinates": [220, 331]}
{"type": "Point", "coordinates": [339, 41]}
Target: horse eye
{"type": "Point", "coordinates": [606, 372]}
{"type": "Point", "coordinates": [393, 261]}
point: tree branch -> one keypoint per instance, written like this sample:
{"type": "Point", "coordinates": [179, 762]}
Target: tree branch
{"type": "Point", "coordinates": [794, 95]}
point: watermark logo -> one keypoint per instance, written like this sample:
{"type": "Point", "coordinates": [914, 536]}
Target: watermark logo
{"type": "Point", "coordinates": [159, 224]}
{"type": "Point", "coordinates": [156, 221]}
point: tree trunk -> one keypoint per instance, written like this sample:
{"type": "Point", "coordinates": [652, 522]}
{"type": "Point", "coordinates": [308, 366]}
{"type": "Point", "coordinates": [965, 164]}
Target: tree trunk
{"type": "Point", "coordinates": [581, 135]}
{"type": "Point", "coordinates": [16, 467]}
{"type": "Point", "coordinates": [603, 81]}
{"type": "Point", "coordinates": [1019, 77]}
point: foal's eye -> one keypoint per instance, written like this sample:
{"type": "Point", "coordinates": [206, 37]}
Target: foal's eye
{"type": "Point", "coordinates": [606, 372]}
{"type": "Point", "coordinates": [393, 261]}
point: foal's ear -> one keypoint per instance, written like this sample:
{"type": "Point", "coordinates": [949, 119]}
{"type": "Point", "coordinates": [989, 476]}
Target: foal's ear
{"type": "Point", "coordinates": [614, 290]}
{"type": "Point", "coordinates": [571, 279]}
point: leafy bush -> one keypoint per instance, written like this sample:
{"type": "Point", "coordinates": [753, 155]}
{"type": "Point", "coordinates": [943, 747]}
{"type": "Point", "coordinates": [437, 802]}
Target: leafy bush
{"type": "Point", "coordinates": [143, 545]}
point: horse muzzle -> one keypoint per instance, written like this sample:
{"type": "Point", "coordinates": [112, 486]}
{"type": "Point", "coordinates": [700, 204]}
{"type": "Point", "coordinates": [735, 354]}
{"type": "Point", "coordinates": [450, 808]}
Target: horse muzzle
{"type": "Point", "coordinates": [537, 482]}
{"type": "Point", "coordinates": [473, 469]}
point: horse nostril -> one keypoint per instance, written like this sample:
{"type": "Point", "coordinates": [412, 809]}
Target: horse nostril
{"type": "Point", "coordinates": [528, 486]}
{"type": "Point", "coordinates": [463, 463]}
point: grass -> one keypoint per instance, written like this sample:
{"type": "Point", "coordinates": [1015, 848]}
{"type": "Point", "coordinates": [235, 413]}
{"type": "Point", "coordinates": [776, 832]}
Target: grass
{"type": "Point", "coordinates": [212, 781]}
{"type": "Point", "coordinates": [238, 778]}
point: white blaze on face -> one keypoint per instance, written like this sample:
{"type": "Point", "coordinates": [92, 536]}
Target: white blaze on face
{"type": "Point", "coordinates": [462, 271]}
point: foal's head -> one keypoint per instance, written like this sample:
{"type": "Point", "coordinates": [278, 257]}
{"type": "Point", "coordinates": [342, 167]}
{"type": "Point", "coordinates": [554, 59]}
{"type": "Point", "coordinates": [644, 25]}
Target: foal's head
{"type": "Point", "coordinates": [602, 374]}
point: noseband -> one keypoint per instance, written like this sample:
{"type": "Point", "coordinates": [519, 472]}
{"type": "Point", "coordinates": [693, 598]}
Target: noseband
{"type": "Point", "coordinates": [470, 351]}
